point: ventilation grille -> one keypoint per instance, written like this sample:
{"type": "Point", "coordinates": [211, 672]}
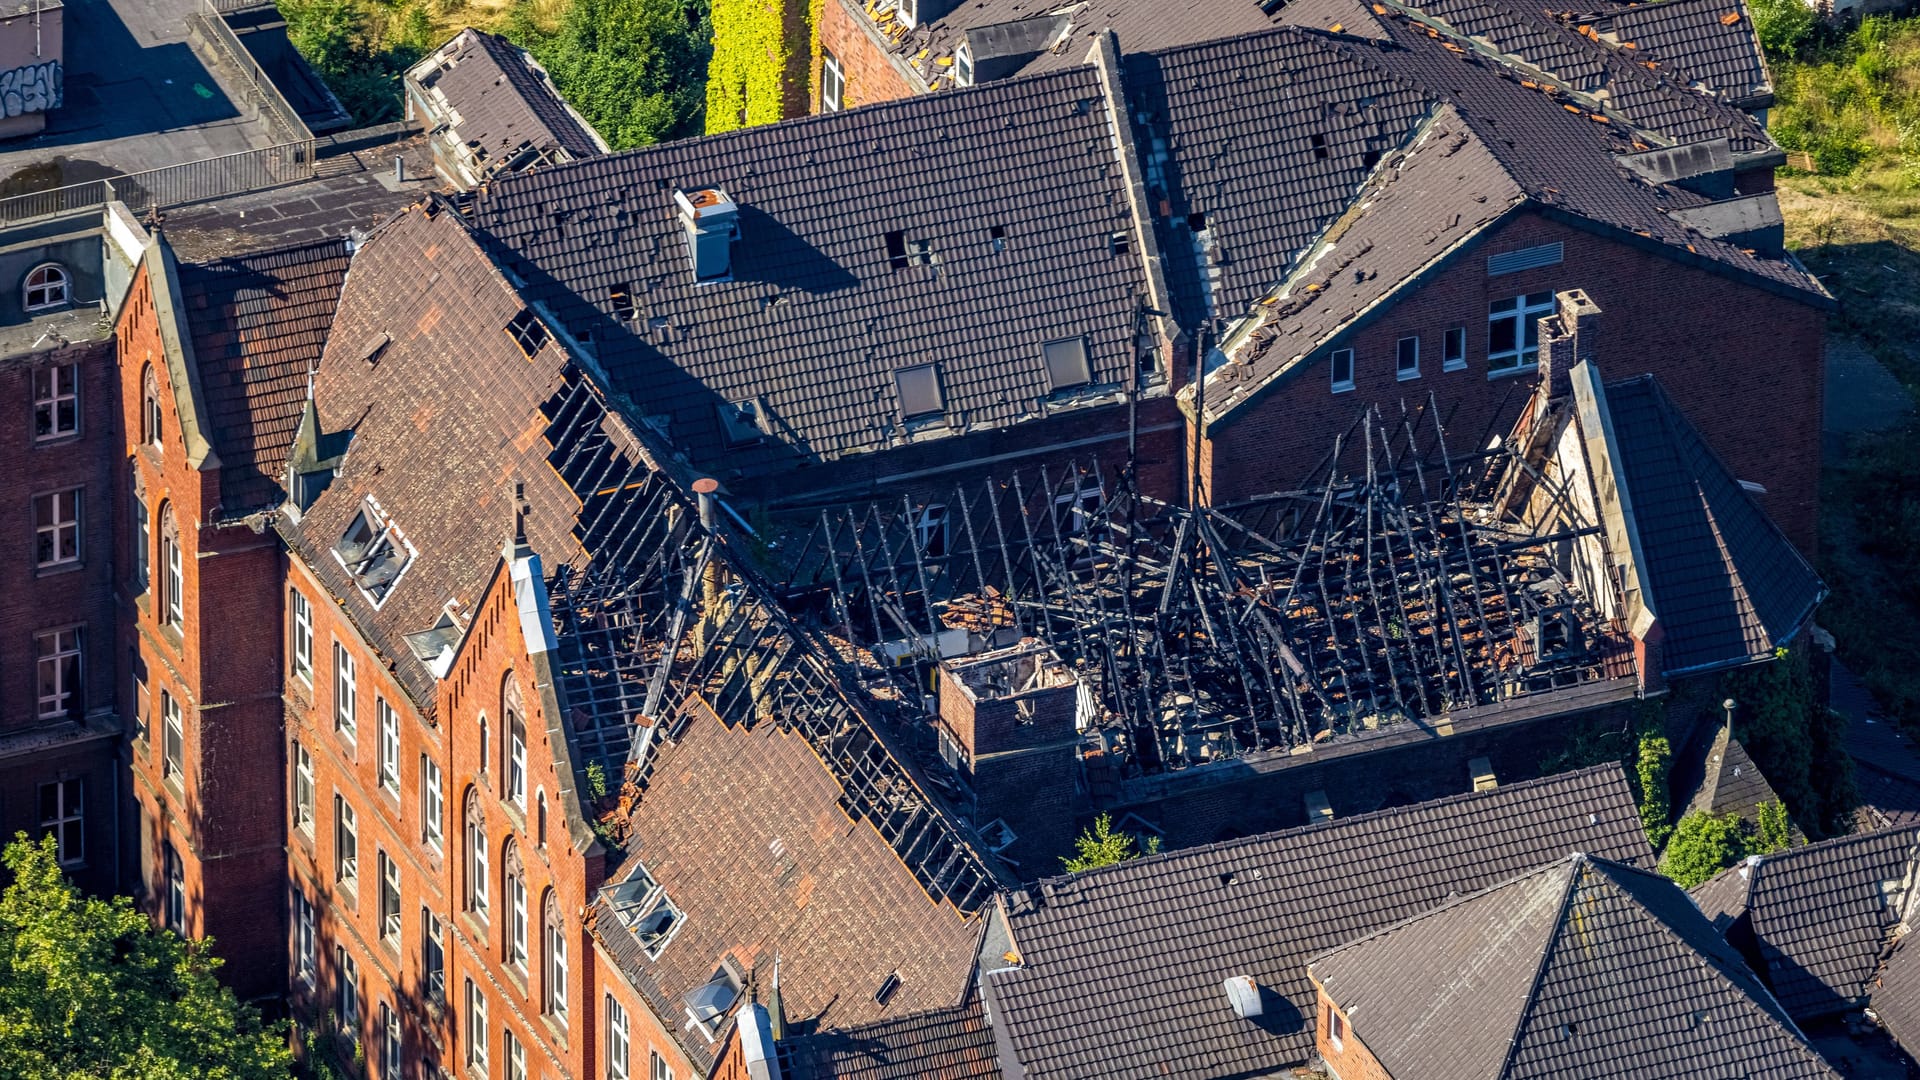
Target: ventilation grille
{"type": "Point", "coordinates": [1512, 262]}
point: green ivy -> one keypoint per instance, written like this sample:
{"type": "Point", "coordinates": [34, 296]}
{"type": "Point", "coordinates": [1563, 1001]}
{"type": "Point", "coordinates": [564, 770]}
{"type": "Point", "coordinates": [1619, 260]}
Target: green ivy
{"type": "Point", "coordinates": [754, 75]}
{"type": "Point", "coordinates": [1702, 846]}
{"type": "Point", "coordinates": [1797, 741]}
{"type": "Point", "coordinates": [1655, 762]}
{"type": "Point", "coordinates": [1776, 830]}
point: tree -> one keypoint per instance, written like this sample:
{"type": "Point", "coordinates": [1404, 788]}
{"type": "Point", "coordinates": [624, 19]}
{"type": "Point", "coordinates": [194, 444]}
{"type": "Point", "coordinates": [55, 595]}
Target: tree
{"type": "Point", "coordinates": [1703, 845]}
{"type": "Point", "coordinates": [1783, 26]}
{"type": "Point", "coordinates": [90, 988]}
{"type": "Point", "coordinates": [1102, 846]}
{"type": "Point", "coordinates": [1775, 831]}
{"type": "Point", "coordinates": [636, 69]}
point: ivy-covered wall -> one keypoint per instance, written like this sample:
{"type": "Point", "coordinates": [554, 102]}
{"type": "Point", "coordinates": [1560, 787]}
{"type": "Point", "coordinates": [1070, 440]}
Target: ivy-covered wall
{"type": "Point", "coordinates": [762, 61]}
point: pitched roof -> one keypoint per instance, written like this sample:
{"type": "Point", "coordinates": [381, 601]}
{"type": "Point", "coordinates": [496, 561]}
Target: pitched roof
{"type": "Point", "coordinates": [941, 1044]}
{"type": "Point", "coordinates": [1583, 967]}
{"type": "Point", "coordinates": [1896, 995]}
{"type": "Point", "coordinates": [1067, 32]}
{"type": "Point", "coordinates": [1710, 45]}
{"type": "Point", "coordinates": [746, 832]}
{"type": "Point", "coordinates": [1726, 583]}
{"type": "Point", "coordinates": [1730, 783]}
{"type": "Point", "coordinates": [1145, 944]}
{"type": "Point", "coordinates": [259, 322]}
{"type": "Point", "coordinates": [504, 104]}
{"type": "Point", "coordinates": [1820, 917]}
{"type": "Point", "coordinates": [1013, 188]}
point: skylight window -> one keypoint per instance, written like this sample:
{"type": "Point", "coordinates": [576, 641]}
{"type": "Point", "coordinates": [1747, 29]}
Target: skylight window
{"type": "Point", "coordinates": [642, 907]}
{"type": "Point", "coordinates": [742, 422]}
{"type": "Point", "coordinates": [904, 251]}
{"type": "Point", "coordinates": [374, 551]}
{"type": "Point", "coordinates": [1067, 363]}
{"type": "Point", "coordinates": [528, 332]}
{"type": "Point", "coordinates": [1319, 142]}
{"type": "Point", "coordinates": [919, 388]}
{"type": "Point", "coordinates": [622, 299]}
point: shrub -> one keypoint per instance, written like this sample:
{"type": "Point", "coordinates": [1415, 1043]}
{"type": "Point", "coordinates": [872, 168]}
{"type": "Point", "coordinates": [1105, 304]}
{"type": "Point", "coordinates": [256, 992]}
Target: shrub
{"type": "Point", "coordinates": [1784, 26]}
{"type": "Point", "coordinates": [1702, 846]}
{"type": "Point", "coordinates": [1102, 846]}
{"type": "Point", "coordinates": [1655, 762]}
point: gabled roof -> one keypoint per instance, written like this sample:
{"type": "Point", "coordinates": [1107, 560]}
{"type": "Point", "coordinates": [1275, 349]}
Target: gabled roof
{"type": "Point", "coordinates": [1140, 25]}
{"type": "Point", "coordinates": [1584, 967]}
{"type": "Point", "coordinates": [1896, 996]}
{"type": "Point", "coordinates": [1820, 919]}
{"type": "Point", "coordinates": [1708, 45]}
{"type": "Point", "coordinates": [259, 322]}
{"type": "Point", "coordinates": [504, 104]}
{"type": "Point", "coordinates": [1014, 187]}
{"type": "Point", "coordinates": [1731, 783]}
{"type": "Point", "coordinates": [1145, 945]}
{"type": "Point", "coordinates": [1728, 585]}
{"type": "Point", "coordinates": [941, 1044]}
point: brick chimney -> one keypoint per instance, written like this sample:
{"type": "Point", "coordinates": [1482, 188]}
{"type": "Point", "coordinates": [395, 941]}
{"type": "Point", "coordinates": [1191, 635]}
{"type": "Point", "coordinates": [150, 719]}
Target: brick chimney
{"type": "Point", "coordinates": [1567, 336]}
{"type": "Point", "coordinates": [1007, 726]}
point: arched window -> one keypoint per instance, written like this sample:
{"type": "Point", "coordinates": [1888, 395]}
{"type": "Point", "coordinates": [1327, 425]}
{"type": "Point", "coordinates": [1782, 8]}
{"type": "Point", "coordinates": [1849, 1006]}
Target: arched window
{"type": "Point", "coordinates": [513, 767]}
{"type": "Point", "coordinates": [513, 889]}
{"type": "Point", "coordinates": [172, 571]}
{"type": "Point", "coordinates": [553, 950]}
{"type": "Point", "coordinates": [46, 287]}
{"type": "Point", "coordinates": [476, 858]}
{"type": "Point", "coordinates": [149, 407]}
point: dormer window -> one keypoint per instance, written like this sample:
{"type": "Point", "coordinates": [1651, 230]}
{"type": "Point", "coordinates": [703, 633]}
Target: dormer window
{"type": "Point", "coordinates": [963, 65]}
{"type": "Point", "coordinates": [1067, 366]}
{"type": "Point", "coordinates": [909, 12]}
{"type": "Point", "coordinates": [919, 388]}
{"type": "Point", "coordinates": [374, 551]}
{"type": "Point", "coordinates": [743, 422]}
{"type": "Point", "coordinates": [46, 287]}
{"type": "Point", "coordinates": [642, 907]}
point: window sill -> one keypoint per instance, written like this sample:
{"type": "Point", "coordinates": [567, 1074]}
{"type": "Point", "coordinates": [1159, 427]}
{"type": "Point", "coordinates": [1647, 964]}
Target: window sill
{"type": "Point", "coordinates": [1342, 388]}
{"type": "Point", "coordinates": [1454, 365]}
{"type": "Point", "coordinates": [55, 569]}
{"type": "Point", "coordinates": [1507, 373]}
{"type": "Point", "coordinates": [1406, 376]}
{"type": "Point", "coordinates": [556, 1030]}
{"type": "Point", "coordinates": [55, 442]}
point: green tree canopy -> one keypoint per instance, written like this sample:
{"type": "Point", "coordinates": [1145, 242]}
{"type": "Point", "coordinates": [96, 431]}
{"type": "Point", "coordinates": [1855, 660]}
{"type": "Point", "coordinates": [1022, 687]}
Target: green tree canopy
{"type": "Point", "coordinates": [636, 69]}
{"type": "Point", "coordinates": [1102, 845]}
{"type": "Point", "coordinates": [1783, 26]}
{"type": "Point", "coordinates": [1703, 845]}
{"type": "Point", "coordinates": [90, 989]}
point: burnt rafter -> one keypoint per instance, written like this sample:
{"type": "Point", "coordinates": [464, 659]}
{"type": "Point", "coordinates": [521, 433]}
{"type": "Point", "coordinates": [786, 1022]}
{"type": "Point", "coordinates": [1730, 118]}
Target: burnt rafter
{"type": "Point", "coordinates": [1388, 589]}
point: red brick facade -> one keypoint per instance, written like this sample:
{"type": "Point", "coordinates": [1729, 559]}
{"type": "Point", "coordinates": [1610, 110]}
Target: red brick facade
{"type": "Point", "coordinates": [870, 73]}
{"type": "Point", "coordinates": [1347, 1058]}
{"type": "Point", "coordinates": [1745, 364]}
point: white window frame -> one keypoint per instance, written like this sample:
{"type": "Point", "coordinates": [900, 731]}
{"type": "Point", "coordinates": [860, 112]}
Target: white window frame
{"type": "Point", "coordinates": [516, 1054]}
{"type": "Point", "coordinates": [1453, 350]}
{"type": "Point", "coordinates": [302, 609]}
{"type": "Point", "coordinates": [346, 693]}
{"type": "Point", "coordinates": [61, 387]}
{"type": "Point", "coordinates": [619, 1045]}
{"type": "Point", "coordinates": [389, 738]}
{"type": "Point", "coordinates": [60, 671]}
{"type": "Point", "coordinates": [176, 913]}
{"type": "Point", "coordinates": [55, 287]}
{"type": "Point", "coordinates": [346, 986]}
{"type": "Point", "coordinates": [173, 564]}
{"type": "Point", "coordinates": [1335, 360]}
{"type": "Point", "coordinates": [142, 545]}
{"type": "Point", "coordinates": [1336, 1028]}
{"type": "Point", "coordinates": [514, 883]}
{"type": "Point", "coordinates": [433, 954]}
{"type": "Point", "coordinates": [390, 901]}
{"type": "Point", "coordinates": [553, 936]}
{"type": "Point", "coordinates": [516, 766]}
{"type": "Point", "coordinates": [832, 77]}
{"type": "Point", "coordinates": [303, 789]}
{"type": "Point", "coordinates": [346, 845]}
{"type": "Point", "coordinates": [392, 1045]}
{"type": "Point", "coordinates": [659, 1067]}
{"type": "Point", "coordinates": [69, 813]}
{"type": "Point", "coordinates": [1073, 511]}
{"type": "Point", "coordinates": [932, 522]}
{"type": "Point", "coordinates": [1524, 312]}
{"type": "Point", "coordinates": [476, 1029]}
{"type": "Point", "coordinates": [1400, 369]}
{"type": "Point", "coordinates": [59, 537]}
{"type": "Point", "coordinates": [432, 805]}
{"type": "Point", "coordinates": [963, 65]}
{"type": "Point", "coordinates": [476, 868]}
{"type": "Point", "coordinates": [173, 739]}
{"type": "Point", "coordinates": [305, 959]}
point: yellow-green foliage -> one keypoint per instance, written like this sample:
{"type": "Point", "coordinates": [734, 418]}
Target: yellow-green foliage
{"type": "Point", "coordinates": [1852, 102]}
{"type": "Point", "coordinates": [758, 49]}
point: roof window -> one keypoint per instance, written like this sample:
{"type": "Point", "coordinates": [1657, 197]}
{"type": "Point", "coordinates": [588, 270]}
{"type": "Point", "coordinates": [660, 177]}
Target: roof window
{"type": "Point", "coordinates": [1319, 142]}
{"type": "Point", "coordinates": [374, 551]}
{"type": "Point", "coordinates": [621, 297]}
{"type": "Point", "coordinates": [743, 421]}
{"type": "Point", "coordinates": [708, 1004]}
{"type": "Point", "coordinates": [642, 907]}
{"type": "Point", "coordinates": [375, 348]}
{"type": "Point", "coordinates": [919, 388]}
{"type": "Point", "coordinates": [904, 251]}
{"type": "Point", "coordinates": [998, 235]}
{"type": "Point", "coordinates": [528, 332]}
{"type": "Point", "coordinates": [1067, 363]}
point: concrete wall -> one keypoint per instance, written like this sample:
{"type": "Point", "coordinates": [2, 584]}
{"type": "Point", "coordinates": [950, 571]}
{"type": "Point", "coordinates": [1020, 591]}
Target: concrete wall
{"type": "Point", "coordinates": [32, 73]}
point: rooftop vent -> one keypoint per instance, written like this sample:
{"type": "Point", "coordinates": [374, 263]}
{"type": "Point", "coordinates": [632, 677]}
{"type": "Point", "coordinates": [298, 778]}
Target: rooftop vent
{"type": "Point", "coordinates": [712, 222]}
{"type": "Point", "coordinates": [1244, 995]}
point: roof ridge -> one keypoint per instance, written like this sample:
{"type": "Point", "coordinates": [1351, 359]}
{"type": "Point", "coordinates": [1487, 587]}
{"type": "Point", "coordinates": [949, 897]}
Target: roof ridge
{"type": "Point", "coordinates": [1577, 863]}
{"type": "Point", "coordinates": [1446, 906]}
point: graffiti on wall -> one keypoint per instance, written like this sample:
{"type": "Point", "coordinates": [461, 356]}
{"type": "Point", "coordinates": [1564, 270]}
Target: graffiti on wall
{"type": "Point", "coordinates": [33, 88]}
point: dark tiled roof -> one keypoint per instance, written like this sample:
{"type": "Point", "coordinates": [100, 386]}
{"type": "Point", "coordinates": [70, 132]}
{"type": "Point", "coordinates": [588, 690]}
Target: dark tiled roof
{"type": "Point", "coordinates": [1731, 783]}
{"type": "Point", "coordinates": [258, 323]}
{"type": "Point", "coordinates": [1691, 40]}
{"type": "Point", "coordinates": [1820, 917]}
{"type": "Point", "coordinates": [1896, 996]}
{"type": "Point", "coordinates": [817, 318]}
{"type": "Point", "coordinates": [1145, 945]}
{"type": "Point", "coordinates": [505, 102]}
{"type": "Point", "coordinates": [1582, 968]}
{"type": "Point", "coordinates": [1140, 26]}
{"type": "Point", "coordinates": [942, 1044]}
{"type": "Point", "coordinates": [745, 831]}
{"type": "Point", "coordinates": [1724, 581]}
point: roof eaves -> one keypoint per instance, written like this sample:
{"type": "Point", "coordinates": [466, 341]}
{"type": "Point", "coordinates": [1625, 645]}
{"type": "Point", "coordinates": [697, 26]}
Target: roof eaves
{"type": "Point", "coordinates": [183, 371]}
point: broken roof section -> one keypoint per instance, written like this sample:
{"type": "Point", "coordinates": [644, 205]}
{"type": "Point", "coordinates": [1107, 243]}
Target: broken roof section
{"type": "Point", "coordinates": [1706, 45]}
{"type": "Point", "coordinates": [937, 241]}
{"type": "Point", "coordinates": [494, 110]}
{"type": "Point", "coordinates": [1584, 967]}
{"type": "Point", "coordinates": [941, 1044]}
{"type": "Point", "coordinates": [1151, 940]}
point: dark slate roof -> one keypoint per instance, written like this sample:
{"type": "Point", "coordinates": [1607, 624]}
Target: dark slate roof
{"type": "Point", "coordinates": [745, 831]}
{"type": "Point", "coordinates": [1819, 918]}
{"type": "Point", "coordinates": [1724, 581]}
{"type": "Point", "coordinates": [1140, 26]}
{"type": "Point", "coordinates": [1582, 968]}
{"type": "Point", "coordinates": [505, 101]}
{"type": "Point", "coordinates": [258, 324]}
{"type": "Point", "coordinates": [1144, 946]}
{"type": "Point", "coordinates": [1730, 783]}
{"type": "Point", "coordinates": [816, 318]}
{"type": "Point", "coordinates": [1692, 41]}
{"type": "Point", "coordinates": [941, 1044]}
{"type": "Point", "coordinates": [1896, 995]}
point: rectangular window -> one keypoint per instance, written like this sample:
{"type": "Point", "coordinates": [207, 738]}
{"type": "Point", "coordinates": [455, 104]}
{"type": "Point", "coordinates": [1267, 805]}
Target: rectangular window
{"type": "Point", "coordinates": [554, 939]}
{"type": "Point", "coordinates": [516, 763]}
{"type": "Point", "coordinates": [176, 892]}
{"type": "Point", "coordinates": [661, 1070]}
{"type": "Point", "coordinates": [390, 1044]}
{"type": "Point", "coordinates": [1513, 331]}
{"type": "Point", "coordinates": [833, 83]}
{"type": "Point", "coordinates": [389, 902]}
{"type": "Point", "coordinates": [58, 673]}
{"type": "Point", "coordinates": [476, 1029]}
{"type": "Point", "coordinates": [616, 1040]}
{"type": "Point", "coordinates": [1454, 353]}
{"type": "Point", "coordinates": [142, 546]}
{"type": "Point", "coordinates": [56, 401]}
{"type": "Point", "coordinates": [430, 802]}
{"type": "Point", "coordinates": [302, 789]}
{"type": "Point", "coordinates": [919, 389]}
{"type": "Point", "coordinates": [302, 635]}
{"type": "Point", "coordinates": [389, 726]}
{"type": "Point", "coordinates": [932, 528]}
{"type": "Point", "coordinates": [346, 716]}
{"type": "Point", "coordinates": [1336, 1029]}
{"type": "Point", "coordinates": [175, 583]}
{"type": "Point", "coordinates": [516, 928]}
{"type": "Point", "coordinates": [63, 813]}
{"type": "Point", "coordinates": [516, 1056]}
{"type": "Point", "coordinates": [173, 739]}
{"type": "Point", "coordinates": [56, 527]}
{"type": "Point", "coordinates": [433, 955]}
{"type": "Point", "coordinates": [1406, 358]}
{"type": "Point", "coordinates": [303, 939]}
{"type": "Point", "coordinates": [1342, 365]}
{"type": "Point", "coordinates": [347, 990]}
{"type": "Point", "coordinates": [1067, 365]}
{"type": "Point", "coordinates": [346, 845]}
